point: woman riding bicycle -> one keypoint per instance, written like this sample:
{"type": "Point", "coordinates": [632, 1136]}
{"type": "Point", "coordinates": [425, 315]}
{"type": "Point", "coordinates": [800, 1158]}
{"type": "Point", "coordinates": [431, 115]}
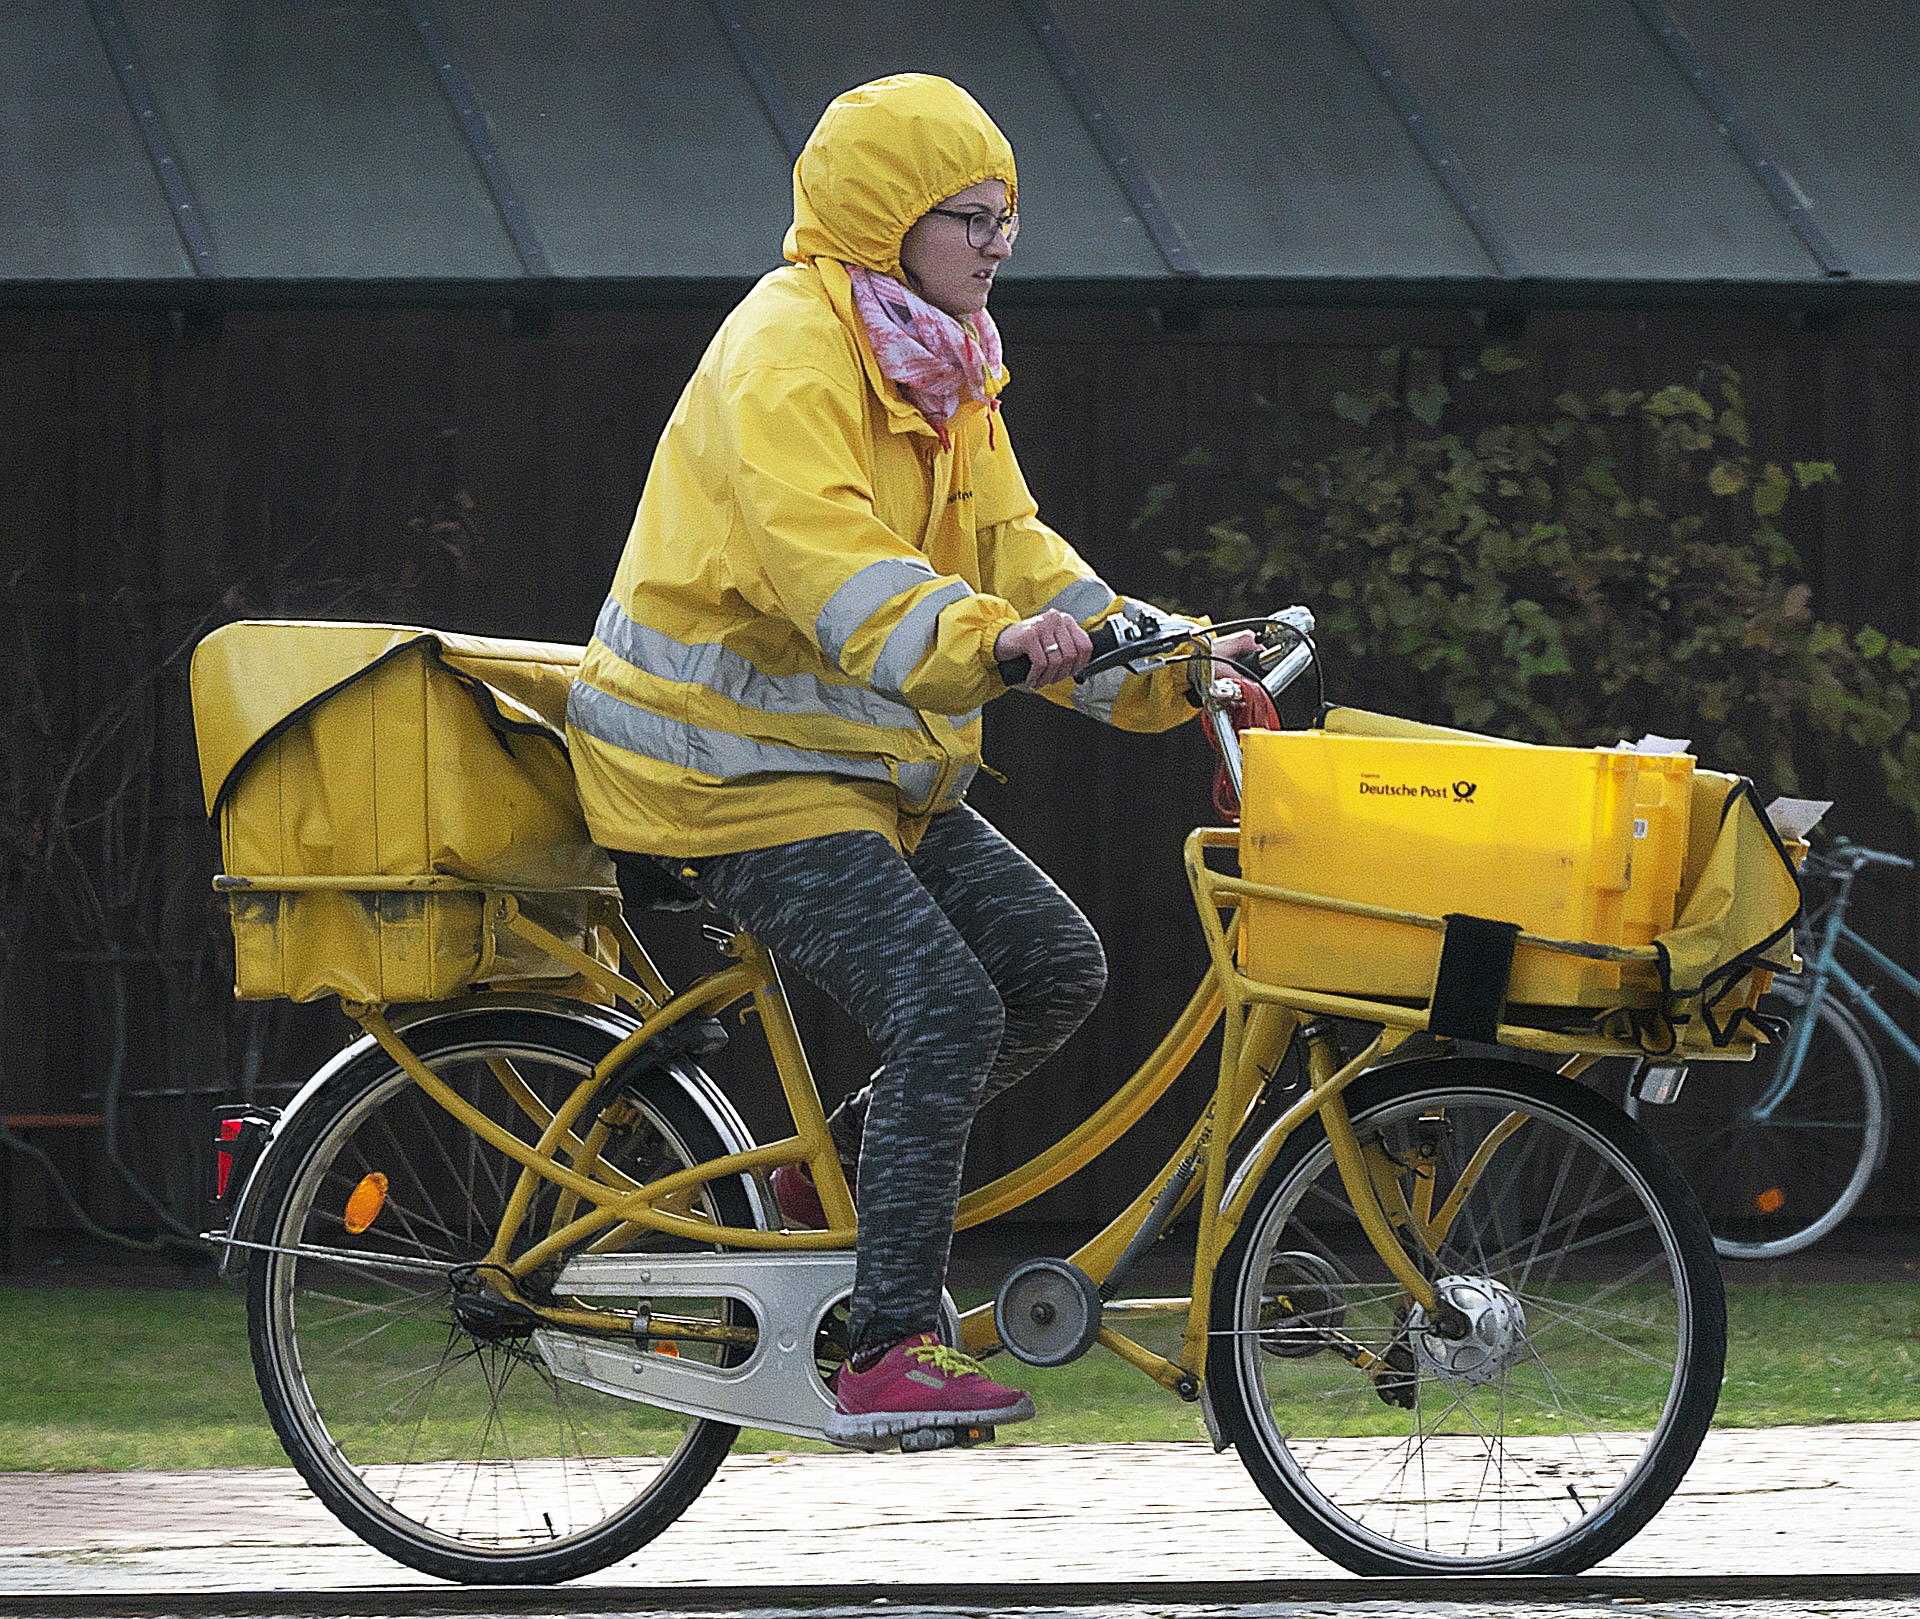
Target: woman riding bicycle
{"type": "Point", "coordinates": [834, 551]}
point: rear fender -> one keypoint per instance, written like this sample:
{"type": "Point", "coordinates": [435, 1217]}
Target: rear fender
{"type": "Point", "coordinates": [694, 1080]}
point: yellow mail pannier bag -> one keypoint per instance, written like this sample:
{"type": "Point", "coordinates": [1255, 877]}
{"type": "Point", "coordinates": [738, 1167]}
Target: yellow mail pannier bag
{"type": "Point", "coordinates": [1585, 846]}
{"type": "Point", "coordinates": [341, 759]}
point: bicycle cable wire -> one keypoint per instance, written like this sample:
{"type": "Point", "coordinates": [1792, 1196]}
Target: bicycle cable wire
{"type": "Point", "coordinates": [1251, 669]}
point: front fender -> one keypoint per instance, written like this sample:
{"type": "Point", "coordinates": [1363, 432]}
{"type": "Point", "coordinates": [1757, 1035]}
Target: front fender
{"type": "Point", "coordinates": [1260, 1156]}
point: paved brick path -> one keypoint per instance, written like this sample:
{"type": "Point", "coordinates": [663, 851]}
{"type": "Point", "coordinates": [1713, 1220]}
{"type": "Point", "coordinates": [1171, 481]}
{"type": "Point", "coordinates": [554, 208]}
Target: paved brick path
{"type": "Point", "coordinates": [1838, 1499]}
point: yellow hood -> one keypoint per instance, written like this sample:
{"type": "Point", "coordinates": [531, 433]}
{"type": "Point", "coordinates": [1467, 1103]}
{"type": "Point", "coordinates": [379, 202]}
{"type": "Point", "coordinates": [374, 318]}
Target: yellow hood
{"type": "Point", "coordinates": [880, 157]}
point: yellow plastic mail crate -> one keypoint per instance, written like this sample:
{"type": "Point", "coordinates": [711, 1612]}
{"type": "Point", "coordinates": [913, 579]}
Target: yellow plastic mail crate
{"type": "Point", "coordinates": [1570, 843]}
{"type": "Point", "coordinates": [346, 751]}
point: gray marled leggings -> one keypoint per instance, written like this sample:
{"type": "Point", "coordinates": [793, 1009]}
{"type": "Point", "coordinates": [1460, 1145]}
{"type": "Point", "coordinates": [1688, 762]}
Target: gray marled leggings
{"type": "Point", "coordinates": [966, 966]}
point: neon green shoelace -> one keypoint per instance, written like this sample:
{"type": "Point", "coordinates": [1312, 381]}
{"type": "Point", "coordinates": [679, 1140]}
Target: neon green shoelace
{"type": "Point", "coordinates": [945, 1358]}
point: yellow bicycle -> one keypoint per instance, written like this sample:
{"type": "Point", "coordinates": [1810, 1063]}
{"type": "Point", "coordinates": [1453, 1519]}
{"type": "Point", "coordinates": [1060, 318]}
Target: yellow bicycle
{"type": "Point", "coordinates": [516, 1280]}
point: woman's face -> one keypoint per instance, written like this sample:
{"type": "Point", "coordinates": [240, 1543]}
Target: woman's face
{"type": "Point", "coordinates": [940, 265]}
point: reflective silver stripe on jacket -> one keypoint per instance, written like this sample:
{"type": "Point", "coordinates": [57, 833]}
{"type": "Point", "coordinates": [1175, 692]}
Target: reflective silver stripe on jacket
{"type": "Point", "coordinates": [1083, 598]}
{"type": "Point", "coordinates": [912, 638]}
{"type": "Point", "coordinates": [1095, 698]}
{"type": "Point", "coordinates": [862, 596]}
{"type": "Point", "coordinates": [958, 790]}
{"type": "Point", "coordinates": [716, 669]}
{"type": "Point", "coordinates": [639, 730]}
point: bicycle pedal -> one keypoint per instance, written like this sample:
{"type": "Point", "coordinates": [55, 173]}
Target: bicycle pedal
{"type": "Point", "coordinates": [922, 1439]}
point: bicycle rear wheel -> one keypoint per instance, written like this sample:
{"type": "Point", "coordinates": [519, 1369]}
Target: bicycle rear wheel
{"type": "Point", "coordinates": [1774, 1186]}
{"type": "Point", "coordinates": [1546, 1437]}
{"type": "Point", "coordinates": [410, 1395]}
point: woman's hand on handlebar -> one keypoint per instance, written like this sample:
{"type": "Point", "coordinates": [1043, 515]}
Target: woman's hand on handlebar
{"type": "Point", "coordinates": [1052, 642]}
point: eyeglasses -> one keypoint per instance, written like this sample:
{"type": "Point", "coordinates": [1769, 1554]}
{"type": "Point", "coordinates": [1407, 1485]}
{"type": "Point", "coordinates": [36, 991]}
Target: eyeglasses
{"type": "Point", "coordinates": [981, 226]}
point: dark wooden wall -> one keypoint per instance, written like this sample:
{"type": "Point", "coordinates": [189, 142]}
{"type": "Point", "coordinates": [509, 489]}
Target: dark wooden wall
{"type": "Point", "coordinates": [437, 467]}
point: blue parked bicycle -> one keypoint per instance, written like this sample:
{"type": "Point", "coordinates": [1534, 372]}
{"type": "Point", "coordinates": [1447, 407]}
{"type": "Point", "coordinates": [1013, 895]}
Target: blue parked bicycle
{"type": "Point", "coordinates": [1781, 1150]}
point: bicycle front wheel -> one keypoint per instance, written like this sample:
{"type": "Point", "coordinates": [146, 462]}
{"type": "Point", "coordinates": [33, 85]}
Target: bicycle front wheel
{"type": "Point", "coordinates": [410, 1394]}
{"type": "Point", "coordinates": [1774, 1185]}
{"type": "Point", "coordinates": [1543, 1437]}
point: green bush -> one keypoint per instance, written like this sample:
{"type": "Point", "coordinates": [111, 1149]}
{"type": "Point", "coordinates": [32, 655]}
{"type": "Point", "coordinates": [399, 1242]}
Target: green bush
{"type": "Point", "coordinates": [1585, 570]}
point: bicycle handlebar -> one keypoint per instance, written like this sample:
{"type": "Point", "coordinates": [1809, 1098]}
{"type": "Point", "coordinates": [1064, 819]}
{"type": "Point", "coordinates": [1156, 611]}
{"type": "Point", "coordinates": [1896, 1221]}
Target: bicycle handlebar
{"type": "Point", "coordinates": [1123, 640]}
{"type": "Point", "coordinates": [1857, 857]}
{"type": "Point", "coordinates": [1135, 640]}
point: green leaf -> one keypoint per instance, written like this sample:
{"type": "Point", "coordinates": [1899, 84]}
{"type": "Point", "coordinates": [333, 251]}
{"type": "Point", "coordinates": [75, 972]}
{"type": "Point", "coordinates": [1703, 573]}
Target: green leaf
{"type": "Point", "coordinates": [1809, 473]}
{"type": "Point", "coordinates": [1869, 641]}
{"type": "Point", "coordinates": [1351, 408]}
{"type": "Point", "coordinates": [1599, 477]}
{"type": "Point", "coordinates": [1389, 357]}
{"type": "Point", "coordinates": [1497, 362]}
{"type": "Point", "coordinates": [1675, 400]}
{"type": "Point", "coordinates": [1727, 478]}
{"type": "Point", "coordinates": [1770, 493]}
{"type": "Point", "coordinates": [1426, 402]}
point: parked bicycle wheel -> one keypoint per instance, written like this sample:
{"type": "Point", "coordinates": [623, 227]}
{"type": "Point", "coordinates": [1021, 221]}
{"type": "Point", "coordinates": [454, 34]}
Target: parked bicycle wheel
{"type": "Point", "coordinates": [1548, 1434]}
{"type": "Point", "coordinates": [413, 1399]}
{"type": "Point", "coordinates": [1772, 1186]}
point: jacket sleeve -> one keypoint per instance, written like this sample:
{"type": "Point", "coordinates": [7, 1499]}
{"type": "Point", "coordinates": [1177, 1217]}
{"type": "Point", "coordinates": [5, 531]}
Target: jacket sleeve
{"type": "Point", "coordinates": [825, 561]}
{"type": "Point", "coordinates": [1027, 564]}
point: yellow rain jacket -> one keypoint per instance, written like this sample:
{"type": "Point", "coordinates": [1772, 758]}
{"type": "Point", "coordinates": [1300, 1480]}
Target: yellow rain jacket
{"type": "Point", "coordinates": [799, 638]}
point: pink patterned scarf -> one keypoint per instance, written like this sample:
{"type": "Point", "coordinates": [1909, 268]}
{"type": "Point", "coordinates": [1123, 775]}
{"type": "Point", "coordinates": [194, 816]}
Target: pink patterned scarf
{"type": "Point", "coordinates": [937, 361]}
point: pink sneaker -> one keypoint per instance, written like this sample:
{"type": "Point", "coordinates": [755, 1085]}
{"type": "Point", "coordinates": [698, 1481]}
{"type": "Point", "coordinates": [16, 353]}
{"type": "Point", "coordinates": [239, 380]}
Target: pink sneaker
{"type": "Point", "coordinates": [918, 1384]}
{"type": "Point", "coordinates": [799, 1198]}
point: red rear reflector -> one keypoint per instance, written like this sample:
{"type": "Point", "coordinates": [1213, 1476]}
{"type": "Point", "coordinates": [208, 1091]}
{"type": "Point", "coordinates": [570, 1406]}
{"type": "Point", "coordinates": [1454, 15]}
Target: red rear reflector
{"type": "Point", "coordinates": [1771, 1201]}
{"type": "Point", "coordinates": [223, 1160]}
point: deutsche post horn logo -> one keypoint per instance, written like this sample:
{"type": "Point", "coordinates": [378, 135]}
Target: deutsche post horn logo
{"type": "Point", "coordinates": [1463, 791]}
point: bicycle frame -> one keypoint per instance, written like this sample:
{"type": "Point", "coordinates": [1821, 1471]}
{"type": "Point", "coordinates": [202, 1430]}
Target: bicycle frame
{"type": "Point", "coordinates": [1826, 969]}
{"type": "Point", "coordinates": [601, 1210]}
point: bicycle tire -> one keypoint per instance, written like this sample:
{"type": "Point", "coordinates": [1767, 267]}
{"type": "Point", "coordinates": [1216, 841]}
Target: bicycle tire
{"type": "Point", "coordinates": [1776, 1186]}
{"type": "Point", "coordinates": [433, 1432]}
{"type": "Point", "coordinates": [1550, 1436]}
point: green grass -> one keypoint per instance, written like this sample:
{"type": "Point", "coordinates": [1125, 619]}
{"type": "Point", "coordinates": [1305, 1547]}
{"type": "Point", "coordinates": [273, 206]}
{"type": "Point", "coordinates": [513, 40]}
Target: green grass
{"type": "Point", "coordinates": [128, 1378]}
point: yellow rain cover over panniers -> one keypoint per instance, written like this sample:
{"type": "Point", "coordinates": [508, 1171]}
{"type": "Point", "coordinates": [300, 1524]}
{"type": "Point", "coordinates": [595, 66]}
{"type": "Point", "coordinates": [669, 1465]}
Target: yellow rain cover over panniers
{"type": "Point", "coordinates": [1739, 900]}
{"type": "Point", "coordinates": [344, 750]}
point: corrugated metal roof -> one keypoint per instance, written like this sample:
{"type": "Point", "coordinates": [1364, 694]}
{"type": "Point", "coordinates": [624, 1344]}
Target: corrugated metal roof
{"type": "Point", "coordinates": [1323, 149]}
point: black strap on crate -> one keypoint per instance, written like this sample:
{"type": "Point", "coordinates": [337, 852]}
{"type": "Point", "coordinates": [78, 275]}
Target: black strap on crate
{"type": "Point", "coordinates": [1470, 990]}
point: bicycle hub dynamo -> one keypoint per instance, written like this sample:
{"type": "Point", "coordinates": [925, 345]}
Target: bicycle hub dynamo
{"type": "Point", "coordinates": [1495, 1335]}
{"type": "Point", "coordinates": [1047, 1312]}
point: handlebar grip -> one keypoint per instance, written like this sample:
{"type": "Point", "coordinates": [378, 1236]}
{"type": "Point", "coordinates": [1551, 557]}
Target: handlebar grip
{"type": "Point", "coordinates": [1014, 671]}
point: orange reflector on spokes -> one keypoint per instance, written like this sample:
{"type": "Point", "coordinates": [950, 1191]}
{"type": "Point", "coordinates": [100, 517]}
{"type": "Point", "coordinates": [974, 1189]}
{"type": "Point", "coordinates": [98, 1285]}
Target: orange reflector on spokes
{"type": "Point", "coordinates": [1771, 1201]}
{"type": "Point", "coordinates": [368, 1199]}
